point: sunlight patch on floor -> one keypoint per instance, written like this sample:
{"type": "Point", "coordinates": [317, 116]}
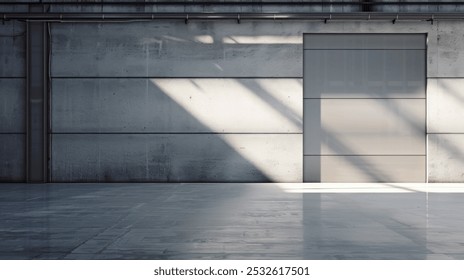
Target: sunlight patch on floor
{"type": "Point", "coordinates": [372, 187]}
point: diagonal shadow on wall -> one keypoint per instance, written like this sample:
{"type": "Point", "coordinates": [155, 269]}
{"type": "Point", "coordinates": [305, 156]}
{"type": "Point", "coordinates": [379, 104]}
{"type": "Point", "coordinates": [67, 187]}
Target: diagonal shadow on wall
{"type": "Point", "coordinates": [137, 136]}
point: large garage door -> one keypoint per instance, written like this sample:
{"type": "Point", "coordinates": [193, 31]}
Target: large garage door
{"type": "Point", "coordinates": [364, 108]}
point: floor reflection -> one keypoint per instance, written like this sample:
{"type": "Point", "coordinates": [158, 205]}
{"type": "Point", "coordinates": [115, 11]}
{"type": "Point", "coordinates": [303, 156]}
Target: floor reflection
{"type": "Point", "coordinates": [232, 221]}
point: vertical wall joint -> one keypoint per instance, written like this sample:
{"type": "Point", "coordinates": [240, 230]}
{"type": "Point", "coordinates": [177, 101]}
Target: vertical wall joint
{"type": "Point", "coordinates": [37, 99]}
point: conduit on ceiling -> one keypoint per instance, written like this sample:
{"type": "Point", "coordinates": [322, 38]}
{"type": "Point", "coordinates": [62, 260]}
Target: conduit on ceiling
{"type": "Point", "coordinates": [342, 16]}
{"type": "Point", "coordinates": [238, 3]}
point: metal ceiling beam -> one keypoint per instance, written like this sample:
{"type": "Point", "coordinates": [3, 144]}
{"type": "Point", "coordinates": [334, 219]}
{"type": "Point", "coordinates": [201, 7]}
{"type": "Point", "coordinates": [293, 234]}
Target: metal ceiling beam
{"type": "Point", "coordinates": [235, 3]}
{"type": "Point", "coordinates": [84, 17]}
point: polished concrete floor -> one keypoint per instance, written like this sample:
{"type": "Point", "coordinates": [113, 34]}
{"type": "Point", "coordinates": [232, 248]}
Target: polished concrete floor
{"type": "Point", "coordinates": [232, 221]}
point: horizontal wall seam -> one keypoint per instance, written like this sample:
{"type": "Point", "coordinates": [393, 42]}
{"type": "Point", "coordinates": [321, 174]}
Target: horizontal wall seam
{"type": "Point", "coordinates": [457, 133]}
{"type": "Point", "coordinates": [364, 49]}
{"type": "Point", "coordinates": [155, 181]}
{"type": "Point", "coordinates": [15, 77]}
{"type": "Point", "coordinates": [12, 133]}
{"type": "Point", "coordinates": [177, 77]}
{"type": "Point", "coordinates": [445, 78]}
{"type": "Point", "coordinates": [182, 133]}
{"type": "Point", "coordinates": [367, 155]}
{"type": "Point", "coordinates": [347, 98]}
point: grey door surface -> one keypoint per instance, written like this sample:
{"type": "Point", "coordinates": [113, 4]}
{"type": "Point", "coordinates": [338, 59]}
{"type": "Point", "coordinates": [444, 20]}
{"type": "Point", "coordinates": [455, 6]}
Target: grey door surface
{"type": "Point", "coordinates": [364, 108]}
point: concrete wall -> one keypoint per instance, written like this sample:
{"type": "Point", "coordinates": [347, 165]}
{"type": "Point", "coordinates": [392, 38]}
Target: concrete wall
{"type": "Point", "coordinates": [446, 129]}
{"type": "Point", "coordinates": [178, 77]}
{"type": "Point", "coordinates": [445, 101]}
{"type": "Point", "coordinates": [12, 102]}
{"type": "Point", "coordinates": [174, 49]}
{"type": "Point", "coordinates": [166, 101]}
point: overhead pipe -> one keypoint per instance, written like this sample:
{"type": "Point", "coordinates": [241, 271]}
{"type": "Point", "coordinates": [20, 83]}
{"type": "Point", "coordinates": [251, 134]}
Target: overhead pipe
{"type": "Point", "coordinates": [233, 3]}
{"type": "Point", "coordinates": [84, 17]}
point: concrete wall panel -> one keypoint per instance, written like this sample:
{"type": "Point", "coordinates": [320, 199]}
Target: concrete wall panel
{"type": "Point", "coordinates": [175, 49]}
{"type": "Point", "coordinates": [176, 158]}
{"type": "Point", "coordinates": [365, 109]}
{"type": "Point", "coordinates": [450, 56]}
{"type": "Point", "coordinates": [12, 99]}
{"type": "Point", "coordinates": [400, 27]}
{"type": "Point", "coordinates": [364, 127]}
{"type": "Point", "coordinates": [12, 51]}
{"type": "Point", "coordinates": [445, 158]}
{"type": "Point", "coordinates": [358, 41]}
{"type": "Point", "coordinates": [203, 49]}
{"type": "Point", "coordinates": [12, 158]}
{"type": "Point", "coordinates": [445, 101]}
{"type": "Point", "coordinates": [177, 105]}
{"type": "Point", "coordinates": [353, 169]}
{"type": "Point", "coordinates": [12, 105]}
{"type": "Point", "coordinates": [364, 73]}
